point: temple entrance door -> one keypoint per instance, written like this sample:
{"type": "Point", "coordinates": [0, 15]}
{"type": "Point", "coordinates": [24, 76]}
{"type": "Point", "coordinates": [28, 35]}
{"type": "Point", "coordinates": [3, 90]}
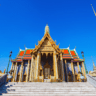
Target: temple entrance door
{"type": "Point", "coordinates": [46, 73]}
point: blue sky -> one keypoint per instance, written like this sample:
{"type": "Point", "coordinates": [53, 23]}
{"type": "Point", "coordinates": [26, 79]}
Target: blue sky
{"type": "Point", "coordinates": [22, 22]}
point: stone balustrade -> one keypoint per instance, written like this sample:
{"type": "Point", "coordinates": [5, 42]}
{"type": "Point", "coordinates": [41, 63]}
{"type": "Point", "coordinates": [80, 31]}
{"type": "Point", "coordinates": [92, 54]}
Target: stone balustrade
{"type": "Point", "coordinates": [3, 79]}
{"type": "Point", "coordinates": [91, 80]}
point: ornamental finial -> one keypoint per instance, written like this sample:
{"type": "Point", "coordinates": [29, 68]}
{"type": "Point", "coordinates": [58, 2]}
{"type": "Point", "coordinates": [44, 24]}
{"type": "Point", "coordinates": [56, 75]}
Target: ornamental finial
{"type": "Point", "coordinates": [24, 46]}
{"type": "Point", "coordinates": [19, 49]}
{"type": "Point", "coordinates": [47, 29]}
{"type": "Point", "coordinates": [75, 47]}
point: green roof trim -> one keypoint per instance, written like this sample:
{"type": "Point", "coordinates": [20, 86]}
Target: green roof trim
{"type": "Point", "coordinates": [64, 49]}
{"type": "Point", "coordinates": [26, 50]}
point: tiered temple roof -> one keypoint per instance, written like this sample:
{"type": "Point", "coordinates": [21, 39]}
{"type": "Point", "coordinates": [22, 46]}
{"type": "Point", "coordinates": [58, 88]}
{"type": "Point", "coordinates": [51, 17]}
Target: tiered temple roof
{"type": "Point", "coordinates": [67, 54]}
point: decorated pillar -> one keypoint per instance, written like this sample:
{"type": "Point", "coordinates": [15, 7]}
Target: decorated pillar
{"type": "Point", "coordinates": [66, 66]}
{"type": "Point", "coordinates": [28, 71]}
{"type": "Point", "coordinates": [73, 74]}
{"type": "Point", "coordinates": [78, 66]}
{"type": "Point", "coordinates": [84, 70]}
{"type": "Point", "coordinates": [12, 66]}
{"type": "Point", "coordinates": [15, 72]}
{"type": "Point", "coordinates": [55, 65]}
{"type": "Point", "coordinates": [37, 65]}
{"type": "Point", "coordinates": [31, 71]}
{"type": "Point", "coordinates": [33, 68]}
{"type": "Point", "coordinates": [62, 67]}
{"type": "Point", "coordinates": [81, 68]}
{"type": "Point", "coordinates": [21, 72]}
{"type": "Point", "coordinates": [78, 69]}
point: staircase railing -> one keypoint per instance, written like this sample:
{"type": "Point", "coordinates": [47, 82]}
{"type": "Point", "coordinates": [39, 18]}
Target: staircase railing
{"type": "Point", "coordinates": [3, 79]}
{"type": "Point", "coordinates": [91, 80]}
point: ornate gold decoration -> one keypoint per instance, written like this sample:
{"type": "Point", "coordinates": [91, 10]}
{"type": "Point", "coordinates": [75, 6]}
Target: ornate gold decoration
{"type": "Point", "coordinates": [46, 35]}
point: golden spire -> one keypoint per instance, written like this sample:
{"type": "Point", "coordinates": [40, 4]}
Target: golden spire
{"type": "Point", "coordinates": [47, 28]}
{"type": "Point", "coordinates": [93, 62]}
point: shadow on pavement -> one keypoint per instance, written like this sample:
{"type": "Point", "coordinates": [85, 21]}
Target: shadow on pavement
{"type": "Point", "coordinates": [4, 88]}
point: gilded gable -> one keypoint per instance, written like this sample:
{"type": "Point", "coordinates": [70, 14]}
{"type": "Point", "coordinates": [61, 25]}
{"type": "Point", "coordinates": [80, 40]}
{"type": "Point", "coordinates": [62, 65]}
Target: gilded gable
{"type": "Point", "coordinates": [46, 46]}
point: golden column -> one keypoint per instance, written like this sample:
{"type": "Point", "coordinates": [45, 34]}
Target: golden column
{"type": "Point", "coordinates": [66, 66]}
{"type": "Point", "coordinates": [62, 66]}
{"type": "Point", "coordinates": [55, 65]}
{"type": "Point", "coordinates": [37, 65]}
{"type": "Point", "coordinates": [31, 71]}
{"type": "Point", "coordinates": [12, 68]}
{"type": "Point", "coordinates": [73, 74]}
{"type": "Point", "coordinates": [27, 71]}
{"type": "Point", "coordinates": [15, 72]}
{"type": "Point", "coordinates": [39, 62]}
{"type": "Point", "coordinates": [78, 66]}
{"type": "Point", "coordinates": [21, 72]}
{"type": "Point", "coordinates": [78, 70]}
{"type": "Point", "coordinates": [33, 68]}
{"type": "Point", "coordinates": [84, 70]}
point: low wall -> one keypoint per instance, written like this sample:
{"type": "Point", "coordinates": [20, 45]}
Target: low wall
{"type": "Point", "coordinates": [3, 79]}
{"type": "Point", "coordinates": [91, 80]}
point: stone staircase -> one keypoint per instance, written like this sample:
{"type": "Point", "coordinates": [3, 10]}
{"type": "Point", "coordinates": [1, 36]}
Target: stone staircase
{"type": "Point", "coordinates": [47, 89]}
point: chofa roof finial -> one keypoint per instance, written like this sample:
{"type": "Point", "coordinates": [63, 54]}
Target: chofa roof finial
{"type": "Point", "coordinates": [19, 49]}
{"type": "Point", "coordinates": [69, 45]}
{"type": "Point", "coordinates": [75, 48]}
{"type": "Point", "coordinates": [25, 47]}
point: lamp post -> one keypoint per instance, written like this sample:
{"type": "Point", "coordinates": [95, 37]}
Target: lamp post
{"type": "Point", "coordinates": [9, 61]}
{"type": "Point", "coordinates": [84, 62]}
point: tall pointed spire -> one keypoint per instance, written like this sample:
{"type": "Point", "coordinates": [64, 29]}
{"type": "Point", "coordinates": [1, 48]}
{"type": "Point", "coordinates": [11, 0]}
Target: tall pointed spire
{"type": "Point", "coordinates": [93, 63]}
{"type": "Point", "coordinates": [47, 29]}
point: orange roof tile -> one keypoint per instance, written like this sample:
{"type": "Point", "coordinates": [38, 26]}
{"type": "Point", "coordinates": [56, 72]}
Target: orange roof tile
{"type": "Point", "coordinates": [21, 53]}
{"type": "Point", "coordinates": [72, 53]}
{"type": "Point", "coordinates": [66, 52]}
{"type": "Point", "coordinates": [28, 51]}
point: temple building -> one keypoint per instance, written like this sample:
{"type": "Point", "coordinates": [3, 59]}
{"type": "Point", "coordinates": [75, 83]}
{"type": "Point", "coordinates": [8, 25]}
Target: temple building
{"type": "Point", "coordinates": [47, 63]}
